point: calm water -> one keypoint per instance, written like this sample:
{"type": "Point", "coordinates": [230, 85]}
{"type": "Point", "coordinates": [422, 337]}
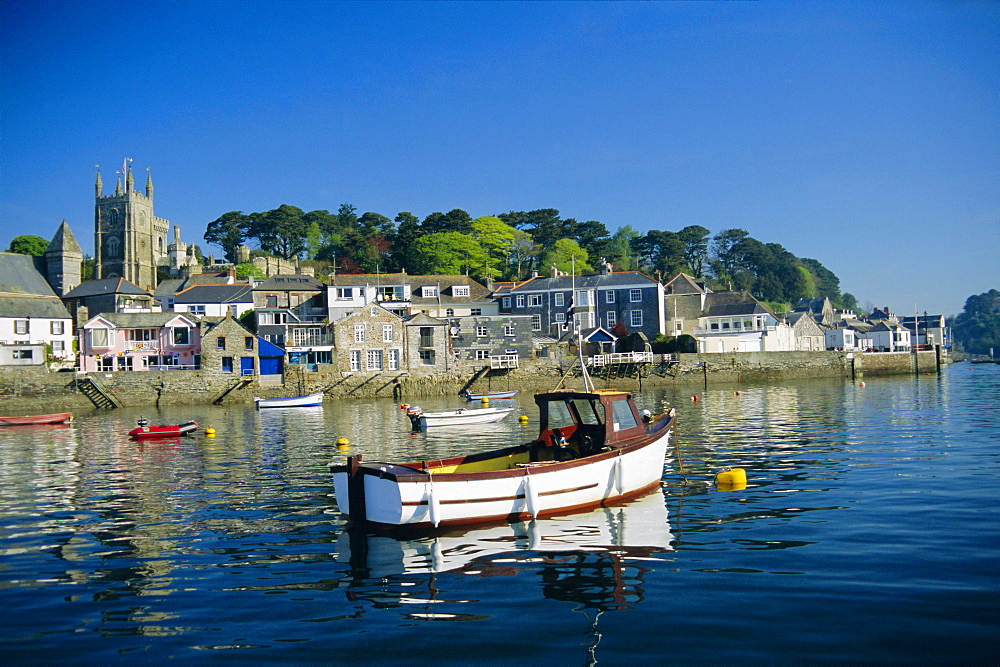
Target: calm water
{"type": "Point", "coordinates": [868, 532]}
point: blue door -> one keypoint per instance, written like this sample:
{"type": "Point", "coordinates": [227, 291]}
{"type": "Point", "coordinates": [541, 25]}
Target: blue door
{"type": "Point", "coordinates": [246, 365]}
{"type": "Point", "coordinates": [270, 365]}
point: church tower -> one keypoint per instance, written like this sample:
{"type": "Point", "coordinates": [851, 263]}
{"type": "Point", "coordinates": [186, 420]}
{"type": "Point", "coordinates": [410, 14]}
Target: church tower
{"type": "Point", "coordinates": [129, 241]}
{"type": "Point", "coordinates": [64, 261]}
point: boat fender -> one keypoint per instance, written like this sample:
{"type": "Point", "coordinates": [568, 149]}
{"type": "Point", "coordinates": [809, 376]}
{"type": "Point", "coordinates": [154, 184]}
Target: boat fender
{"type": "Point", "coordinates": [433, 505]}
{"type": "Point", "coordinates": [531, 501]}
{"type": "Point", "coordinates": [619, 473]}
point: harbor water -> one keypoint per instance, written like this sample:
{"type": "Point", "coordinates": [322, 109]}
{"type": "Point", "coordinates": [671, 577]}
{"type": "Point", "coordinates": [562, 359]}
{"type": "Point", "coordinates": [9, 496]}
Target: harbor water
{"type": "Point", "coordinates": [867, 532]}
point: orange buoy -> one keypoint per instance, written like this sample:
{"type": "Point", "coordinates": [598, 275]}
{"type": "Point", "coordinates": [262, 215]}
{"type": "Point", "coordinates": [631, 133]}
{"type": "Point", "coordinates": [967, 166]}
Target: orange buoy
{"type": "Point", "coordinates": [694, 398]}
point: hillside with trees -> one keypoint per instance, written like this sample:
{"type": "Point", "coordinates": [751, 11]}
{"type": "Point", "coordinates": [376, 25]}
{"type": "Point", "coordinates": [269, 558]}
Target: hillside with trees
{"type": "Point", "coordinates": [513, 245]}
{"type": "Point", "coordinates": [976, 330]}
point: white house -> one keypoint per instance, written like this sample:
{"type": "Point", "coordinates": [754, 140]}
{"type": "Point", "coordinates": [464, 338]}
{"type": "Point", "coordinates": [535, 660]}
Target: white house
{"type": "Point", "coordinates": [31, 314]}
{"type": "Point", "coordinates": [214, 300]}
{"type": "Point", "coordinates": [736, 322]}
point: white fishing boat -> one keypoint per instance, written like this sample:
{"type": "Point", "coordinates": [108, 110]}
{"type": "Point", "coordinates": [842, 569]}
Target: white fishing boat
{"type": "Point", "coordinates": [291, 402]}
{"type": "Point", "coordinates": [421, 420]}
{"type": "Point", "coordinates": [593, 448]}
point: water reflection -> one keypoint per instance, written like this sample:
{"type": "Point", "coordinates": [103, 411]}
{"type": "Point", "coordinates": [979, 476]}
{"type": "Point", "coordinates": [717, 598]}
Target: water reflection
{"type": "Point", "coordinates": [595, 559]}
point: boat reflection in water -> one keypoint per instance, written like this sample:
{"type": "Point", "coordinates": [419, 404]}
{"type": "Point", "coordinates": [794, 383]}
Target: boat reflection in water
{"type": "Point", "coordinates": [597, 559]}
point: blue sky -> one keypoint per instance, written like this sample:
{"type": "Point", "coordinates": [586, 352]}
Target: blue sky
{"type": "Point", "coordinates": [864, 135]}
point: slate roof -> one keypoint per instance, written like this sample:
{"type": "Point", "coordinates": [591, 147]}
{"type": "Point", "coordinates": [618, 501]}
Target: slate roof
{"type": "Point", "coordinates": [682, 283]}
{"type": "Point", "coordinates": [728, 304]}
{"type": "Point", "coordinates": [584, 282]}
{"type": "Point", "coordinates": [104, 286]}
{"type": "Point", "coordinates": [290, 283]}
{"type": "Point", "coordinates": [215, 294]}
{"type": "Point", "coordinates": [144, 320]}
{"type": "Point", "coordinates": [63, 241]}
{"type": "Point", "coordinates": [24, 291]}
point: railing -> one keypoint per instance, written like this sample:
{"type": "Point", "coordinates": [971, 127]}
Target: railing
{"type": "Point", "coordinates": [621, 358]}
{"type": "Point", "coordinates": [307, 341]}
{"type": "Point", "coordinates": [504, 361]}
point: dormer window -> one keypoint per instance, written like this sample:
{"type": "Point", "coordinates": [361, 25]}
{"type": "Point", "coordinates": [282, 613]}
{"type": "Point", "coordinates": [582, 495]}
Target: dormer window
{"type": "Point", "coordinates": [460, 290]}
{"type": "Point", "coordinates": [429, 291]}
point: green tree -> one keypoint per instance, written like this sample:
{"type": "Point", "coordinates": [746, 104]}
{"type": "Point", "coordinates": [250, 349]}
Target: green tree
{"type": "Point", "coordinates": [977, 328]}
{"type": "Point", "coordinates": [450, 253]}
{"type": "Point", "coordinates": [281, 231]}
{"type": "Point", "coordinates": [567, 255]}
{"type": "Point", "coordinates": [28, 244]}
{"type": "Point", "coordinates": [229, 231]}
{"type": "Point", "coordinates": [248, 270]}
{"type": "Point", "coordinates": [496, 238]}
{"type": "Point", "coordinates": [695, 240]}
{"type": "Point", "coordinates": [524, 253]}
{"type": "Point", "coordinates": [621, 251]}
{"type": "Point", "coordinates": [455, 220]}
{"type": "Point", "coordinates": [404, 242]}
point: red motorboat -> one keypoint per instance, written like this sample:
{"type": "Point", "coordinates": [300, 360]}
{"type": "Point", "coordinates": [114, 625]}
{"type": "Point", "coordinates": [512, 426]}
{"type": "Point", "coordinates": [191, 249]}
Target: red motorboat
{"type": "Point", "coordinates": [144, 430]}
{"type": "Point", "coordinates": [30, 420]}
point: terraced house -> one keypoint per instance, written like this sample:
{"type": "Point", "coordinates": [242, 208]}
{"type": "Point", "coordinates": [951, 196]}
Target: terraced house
{"type": "Point", "coordinates": [625, 301]}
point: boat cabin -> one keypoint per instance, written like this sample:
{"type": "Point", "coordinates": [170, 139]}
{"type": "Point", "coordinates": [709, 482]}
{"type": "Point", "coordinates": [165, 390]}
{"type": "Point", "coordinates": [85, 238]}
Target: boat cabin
{"type": "Point", "coordinates": [577, 423]}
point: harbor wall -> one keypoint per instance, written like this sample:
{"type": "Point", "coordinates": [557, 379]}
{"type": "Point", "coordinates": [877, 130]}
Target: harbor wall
{"type": "Point", "coordinates": [35, 390]}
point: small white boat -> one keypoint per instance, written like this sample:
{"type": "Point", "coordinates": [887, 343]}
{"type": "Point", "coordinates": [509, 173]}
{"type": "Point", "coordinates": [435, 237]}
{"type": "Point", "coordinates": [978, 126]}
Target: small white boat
{"type": "Point", "coordinates": [291, 402]}
{"type": "Point", "coordinates": [594, 448]}
{"type": "Point", "coordinates": [470, 396]}
{"type": "Point", "coordinates": [421, 420]}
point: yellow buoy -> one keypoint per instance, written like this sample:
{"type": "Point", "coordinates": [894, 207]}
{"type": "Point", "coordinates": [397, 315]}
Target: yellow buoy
{"type": "Point", "coordinates": [485, 401]}
{"type": "Point", "coordinates": [733, 479]}
{"type": "Point", "coordinates": [523, 419]}
{"type": "Point", "coordinates": [210, 432]}
{"type": "Point", "coordinates": [342, 443]}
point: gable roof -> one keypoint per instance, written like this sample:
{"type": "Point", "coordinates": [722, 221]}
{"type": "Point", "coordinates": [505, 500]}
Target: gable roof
{"type": "Point", "coordinates": [24, 291]}
{"type": "Point", "coordinates": [63, 241]}
{"type": "Point", "coordinates": [103, 287]}
{"type": "Point", "coordinates": [584, 282]}
{"type": "Point", "coordinates": [241, 293]}
{"type": "Point", "coordinates": [290, 283]}
{"type": "Point", "coordinates": [423, 318]}
{"type": "Point", "coordinates": [682, 283]}
{"type": "Point", "coordinates": [144, 320]}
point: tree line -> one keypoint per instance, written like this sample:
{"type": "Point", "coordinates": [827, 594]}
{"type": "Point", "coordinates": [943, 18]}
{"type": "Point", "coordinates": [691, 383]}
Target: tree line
{"type": "Point", "coordinates": [513, 245]}
{"type": "Point", "coordinates": [976, 329]}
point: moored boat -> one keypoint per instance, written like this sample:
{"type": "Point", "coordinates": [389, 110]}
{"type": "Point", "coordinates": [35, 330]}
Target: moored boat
{"type": "Point", "coordinates": [468, 395]}
{"type": "Point", "coordinates": [162, 431]}
{"type": "Point", "coordinates": [291, 402]}
{"type": "Point", "coordinates": [31, 420]}
{"type": "Point", "coordinates": [593, 448]}
{"type": "Point", "coordinates": [421, 420]}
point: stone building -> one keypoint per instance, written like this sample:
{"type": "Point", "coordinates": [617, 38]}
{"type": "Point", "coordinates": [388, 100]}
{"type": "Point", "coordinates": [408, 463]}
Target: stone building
{"type": "Point", "coordinates": [427, 345]}
{"type": "Point", "coordinates": [369, 340]}
{"type": "Point", "coordinates": [228, 349]}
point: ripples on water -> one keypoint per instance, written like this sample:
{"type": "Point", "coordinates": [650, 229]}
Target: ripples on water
{"type": "Point", "coordinates": [867, 532]}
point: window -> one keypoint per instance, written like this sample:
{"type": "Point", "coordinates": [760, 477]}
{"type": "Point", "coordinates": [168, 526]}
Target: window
{"type": "Point", "coordinates": [359, 333]}
{"type": "Point", "coordinates": [271, 301]}
{"type": "Point", "coordinates": [475, 311]}
{"type": "Point", "coordinates": [20, 326]}
{"type": "Point", "coordinates": [374, 360]}
{"type": "Point", "coordinates": [227, 364]}
{"type": "Point", "coordinates": [505, 302]}
{"type": "Point", "coordinates": [482, 354]}
{"type": "Point", "coordinates": [427, 357]}
{"type": "Point", "coordinates": [393, 361]}
{"type": "Point", "coordinates": [611, 318]}
{"type": "Point", "coordinates": [21, 354]}
{"type": "Point", "coordinates": [635, 295]}
{"type": "Point", "coordinates": [635, 318]}
{"type": "Point", "coordinates": [622, 416]}
{"type": "Point", "coordinates": [534, 300]}
{"type": "Point", "coordinates": [426, 336]}
{"type": "Point", "coordinates": [125, 363]}
{"type": "Point", "coordinates": [536, 322]}
{"type": "Point", "coordinates": [99, 337]}
{"type": "Point", "coordinates": [558, 299]}
{"type": "Point", "coordinates": [429, 290]}
{"type": "Point", "coordinates": [387, 334]}
{"type": "Point", "coordinates": [57, 327]}
{"type": "Point", "coordinates": [344, 293]}
{"type": "Point", "coordinates": [450, 312]}
{"type": "Point", "coordinates": [520, 301]}
{"type": "Point", "coordinates": [560, 317]}
{"type": "Point", "coordinates": [220, 343]}
{"type": "Point", "coordinates": [106, 364]}
{"type": "Point", "coordinates": [481, 332]}
{"type": "Point", "coordinates": [197, 310]}
{"type": "Point", "coordinates": [248, 342]}
{"type": "Point", "coordinates": [609, 296]}
{"type": "Point", "coordinates": [460, 290]}
{"type": "Point", "coordinates": [58, 347]}
{"type": "Point", "coordinates": [181, 336]}
{"type": "Point", "coordinates": [509, 330]}
{"type": "Point", "coordinates": [355, 360]}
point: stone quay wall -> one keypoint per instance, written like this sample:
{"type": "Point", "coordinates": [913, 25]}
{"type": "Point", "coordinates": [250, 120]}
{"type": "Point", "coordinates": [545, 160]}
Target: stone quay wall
{"type": "Point", "coordinates": [35, 390]}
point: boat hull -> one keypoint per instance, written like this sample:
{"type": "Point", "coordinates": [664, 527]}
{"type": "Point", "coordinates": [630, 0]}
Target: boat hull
{"type": "Point", "coordinates": [31, 420]}
{"type": "Point", "coordinates": [490, 395]}
{"type": "Point", "coordinates": [292, 402]}
{"type": "Point", "coordinates": [163, 431]}
{"type": "Point", "coordinates": [520, 493]}
{"type": "Point", "coordinates": [465, 417]}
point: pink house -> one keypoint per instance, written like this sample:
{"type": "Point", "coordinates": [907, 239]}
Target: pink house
{"type": "Point", "coordinates": [140, 342]}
